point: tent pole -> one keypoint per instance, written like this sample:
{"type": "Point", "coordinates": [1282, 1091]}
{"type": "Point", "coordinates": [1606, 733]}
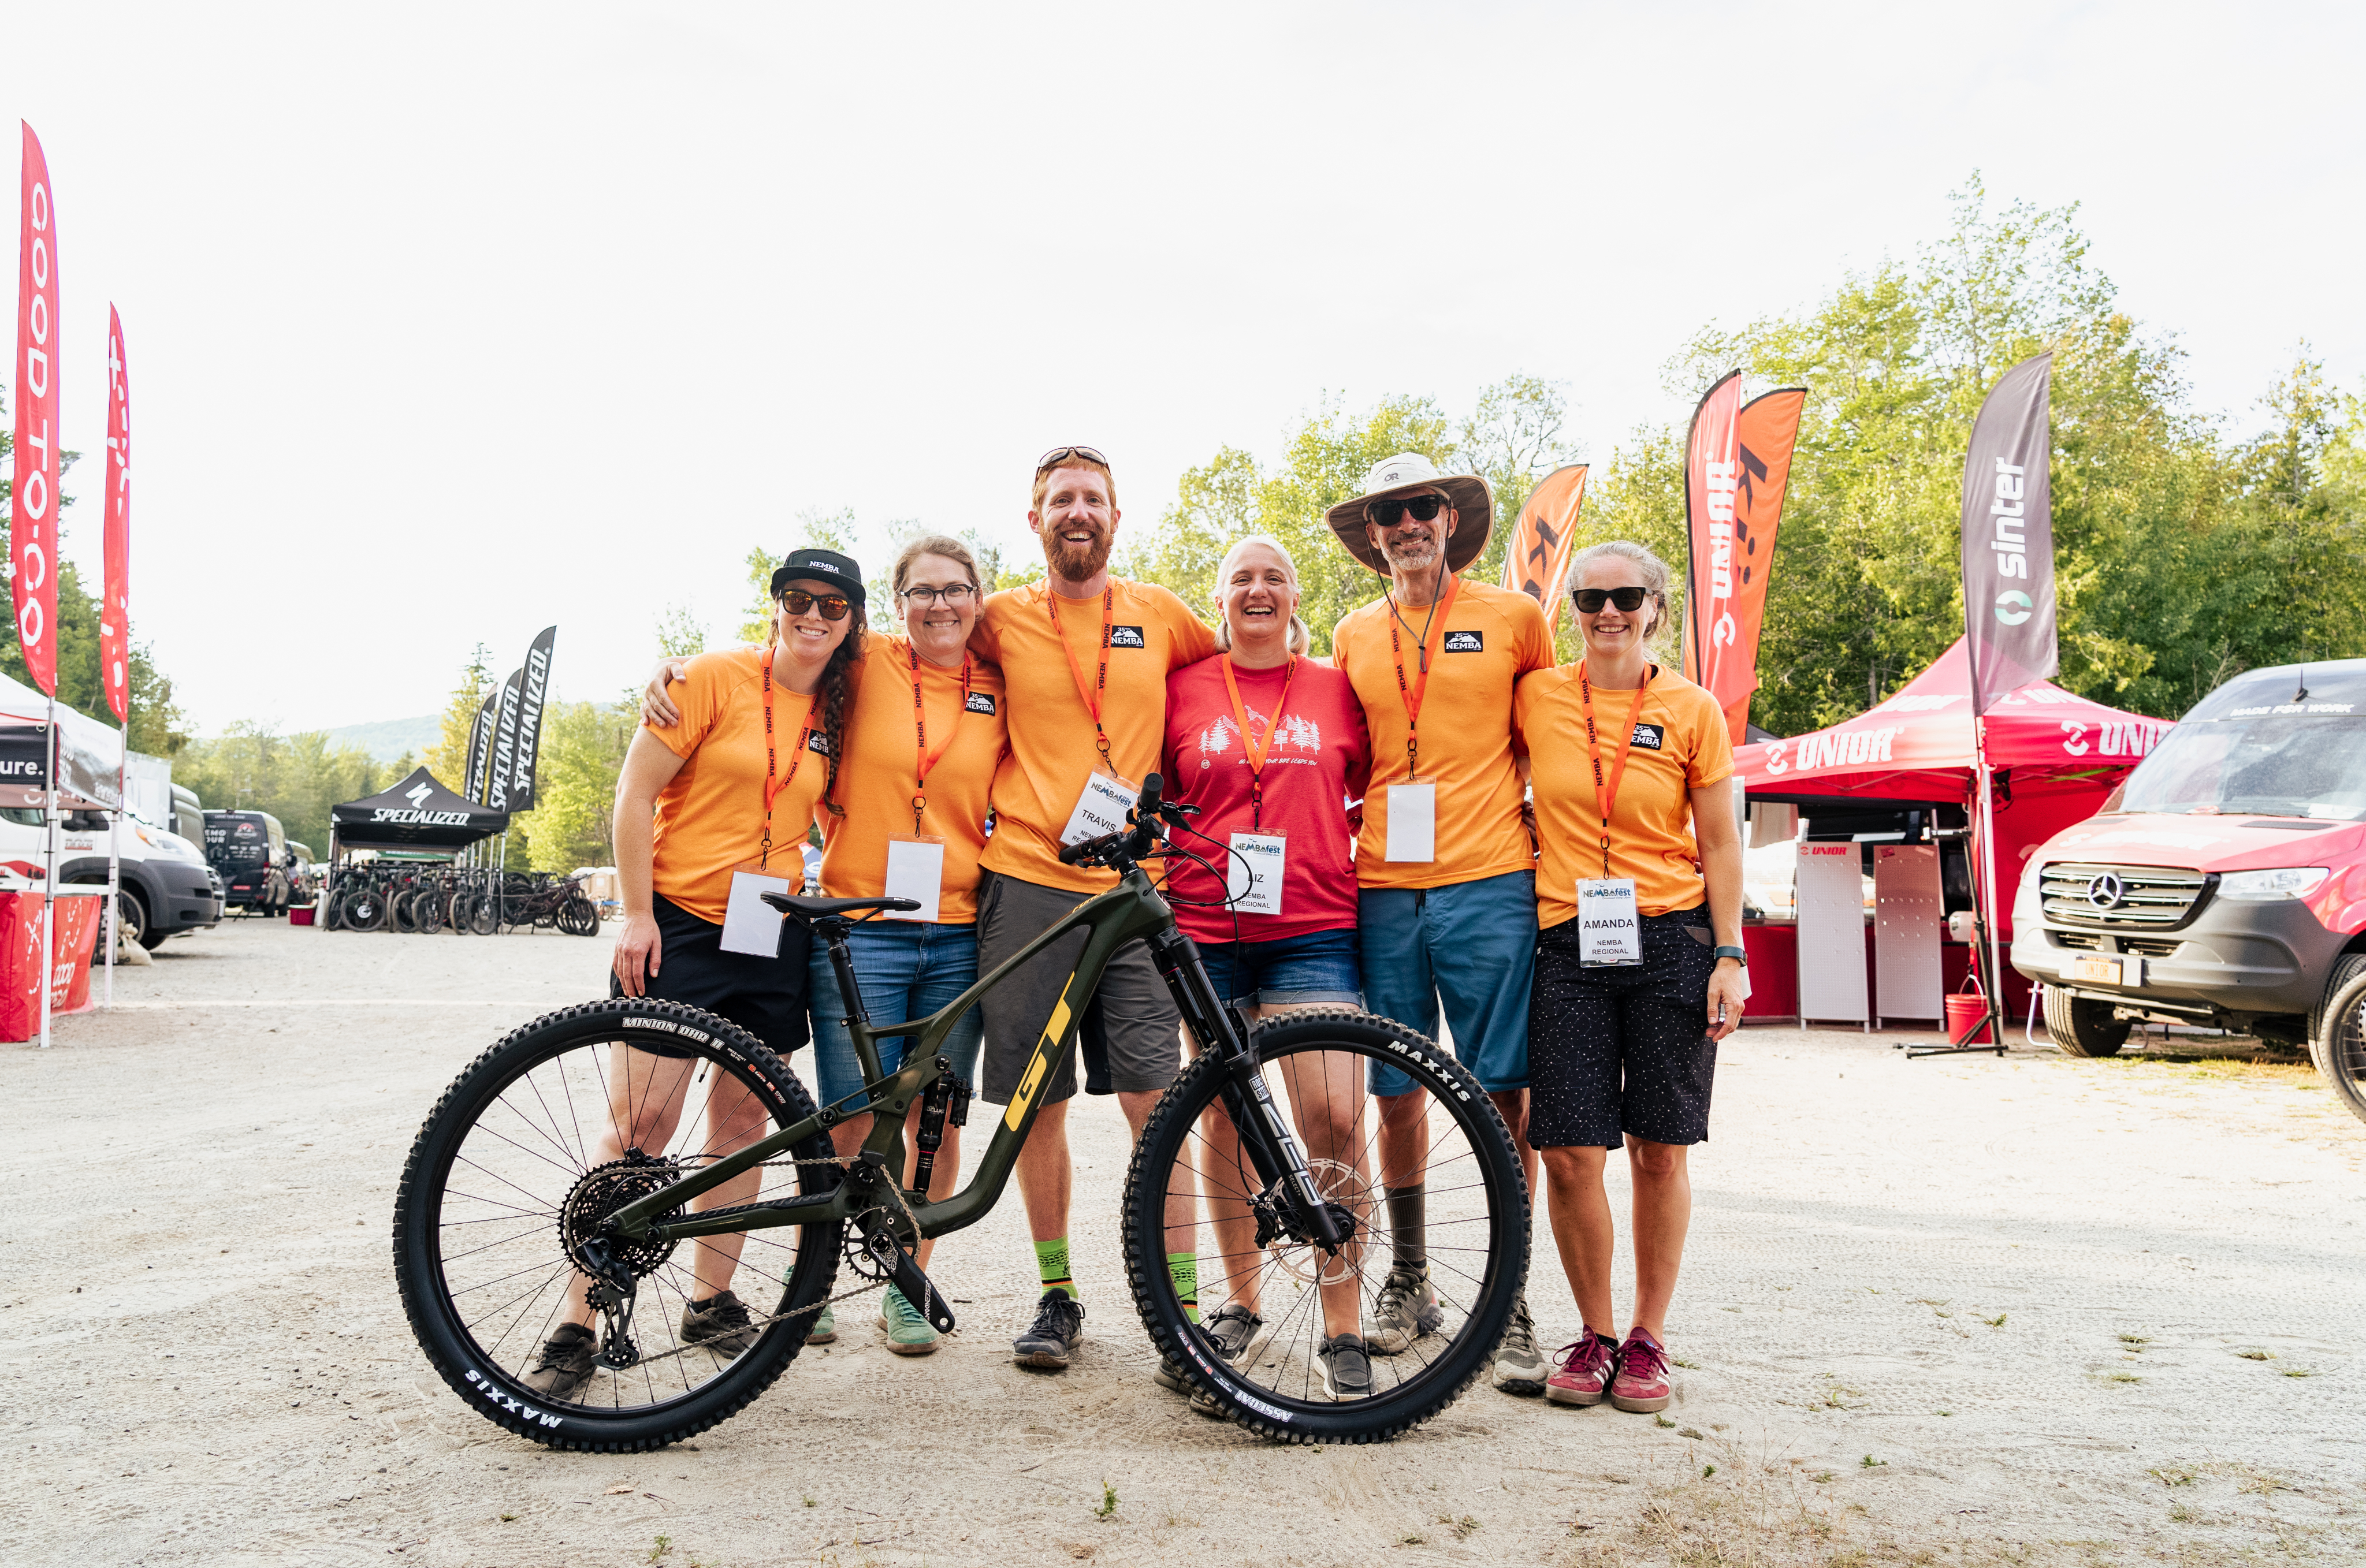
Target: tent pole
{"type": "Point", "coordinates": [49, 875]}
{"type": "Point", "coordinates": [115, 858]}
{"type": "Point", "coordinates": [1985, 960]}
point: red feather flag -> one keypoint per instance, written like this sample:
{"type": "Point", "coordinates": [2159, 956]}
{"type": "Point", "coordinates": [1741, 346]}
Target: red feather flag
{"type": "Point", "coordinates": [1539, 556]}
{"type": "Point", "coordinates": [1737, 467]}
{"type": "Point", "coordinates": [33, 514]}
{"type": "Point", "coordinates": [115, 610]}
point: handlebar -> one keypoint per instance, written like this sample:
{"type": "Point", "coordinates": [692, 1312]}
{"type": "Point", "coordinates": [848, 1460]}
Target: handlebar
{"type": "Point", "coordinates": [1140, 838]}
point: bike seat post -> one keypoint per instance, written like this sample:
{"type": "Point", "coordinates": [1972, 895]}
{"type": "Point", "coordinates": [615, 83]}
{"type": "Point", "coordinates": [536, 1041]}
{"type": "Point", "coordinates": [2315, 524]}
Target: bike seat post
{"type": "Point", "coordinates": [833, 930]}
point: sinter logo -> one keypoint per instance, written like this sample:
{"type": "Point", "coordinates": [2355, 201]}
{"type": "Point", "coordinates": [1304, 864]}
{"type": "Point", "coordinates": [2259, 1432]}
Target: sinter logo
{"type": "Point", "coordinates": [2009, 543]}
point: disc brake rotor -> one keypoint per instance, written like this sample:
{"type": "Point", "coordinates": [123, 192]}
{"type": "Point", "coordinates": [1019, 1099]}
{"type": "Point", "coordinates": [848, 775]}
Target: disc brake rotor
{"type": "Point", "coordinates": [1343, 1188]}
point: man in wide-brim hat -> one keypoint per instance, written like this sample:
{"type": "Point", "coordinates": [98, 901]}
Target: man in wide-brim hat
{"type": "Point", "coordinates": [1445, 866]}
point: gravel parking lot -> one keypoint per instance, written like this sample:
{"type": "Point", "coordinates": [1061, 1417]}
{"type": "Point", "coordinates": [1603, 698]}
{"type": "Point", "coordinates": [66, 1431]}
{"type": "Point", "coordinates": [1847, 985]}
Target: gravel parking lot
{"type": "Point", "coordinates": [1960, 1310]}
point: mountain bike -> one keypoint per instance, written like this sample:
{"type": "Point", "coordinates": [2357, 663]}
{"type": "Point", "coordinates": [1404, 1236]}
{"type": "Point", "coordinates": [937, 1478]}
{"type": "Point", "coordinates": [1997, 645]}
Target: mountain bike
{"type": "Point", "coordinates": [612, 1162]}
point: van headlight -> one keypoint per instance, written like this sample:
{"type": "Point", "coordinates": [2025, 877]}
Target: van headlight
{"type": "Point", "coordinates": [2265, 886]}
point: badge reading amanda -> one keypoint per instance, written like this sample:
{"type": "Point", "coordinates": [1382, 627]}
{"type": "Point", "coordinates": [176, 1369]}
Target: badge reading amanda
{"type": "Point", "coordinates": [1609, 923]}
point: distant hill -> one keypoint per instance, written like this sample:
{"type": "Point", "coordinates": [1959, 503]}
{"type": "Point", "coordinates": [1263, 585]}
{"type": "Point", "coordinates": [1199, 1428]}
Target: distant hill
{"type": "Point", "coordinates": [390, 738]}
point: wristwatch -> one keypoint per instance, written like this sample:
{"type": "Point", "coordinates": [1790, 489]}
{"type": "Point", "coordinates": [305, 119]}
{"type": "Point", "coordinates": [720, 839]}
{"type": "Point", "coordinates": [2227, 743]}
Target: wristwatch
{"type": "Point", "coordinates": [1738, 955]}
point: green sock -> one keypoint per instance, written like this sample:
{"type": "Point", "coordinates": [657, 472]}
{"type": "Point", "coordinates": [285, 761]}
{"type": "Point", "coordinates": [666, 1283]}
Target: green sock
{"type": "Point", "coordinates": [1183, 1268]}
{"type": "Point", "coordinates": [1051, 1264]}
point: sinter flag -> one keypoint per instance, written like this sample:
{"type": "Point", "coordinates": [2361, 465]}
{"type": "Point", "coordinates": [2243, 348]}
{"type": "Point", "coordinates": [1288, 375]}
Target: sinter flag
{"type": "Point", "coordinates": [2009, 536]}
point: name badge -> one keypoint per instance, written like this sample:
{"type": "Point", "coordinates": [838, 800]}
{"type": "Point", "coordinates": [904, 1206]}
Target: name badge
{"type": "Point", "coordinates": [751, 926]}
{"type": "Point", "coordinates": [1412, 821]}
{"type": "Point", "coordinates": [1101, 809]}
{"type": "Point", "coordinates": [1609, 923]}
{"type": "Point", "coordinates": [916, 870]}
{"type": "Point", "coordinates": [1252, 873]}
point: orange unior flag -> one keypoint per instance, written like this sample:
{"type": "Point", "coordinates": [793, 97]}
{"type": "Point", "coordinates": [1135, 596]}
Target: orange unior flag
{"type": "Point", "coordinates": [1738, 465]}
{"type": "Point", "coordinates": [1539, 556]}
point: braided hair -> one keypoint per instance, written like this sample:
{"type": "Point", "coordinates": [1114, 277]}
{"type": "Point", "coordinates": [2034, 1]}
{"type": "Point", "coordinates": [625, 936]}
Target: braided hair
{"type": "Point", "coordinates": [837, 697]}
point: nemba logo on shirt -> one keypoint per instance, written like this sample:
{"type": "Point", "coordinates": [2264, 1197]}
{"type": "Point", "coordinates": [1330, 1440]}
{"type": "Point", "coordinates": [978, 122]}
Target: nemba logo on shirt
{"type": "Point", "coordinates": [1126, 637]}
{"type": "Point", "coordinates": [1648, 735]}
{"type": "Point", "coordinates": [815, 740]}
{"type": "Point", "coordinates": [1466, 642]}
{"type": "Point", "coordinates": [980, 701]}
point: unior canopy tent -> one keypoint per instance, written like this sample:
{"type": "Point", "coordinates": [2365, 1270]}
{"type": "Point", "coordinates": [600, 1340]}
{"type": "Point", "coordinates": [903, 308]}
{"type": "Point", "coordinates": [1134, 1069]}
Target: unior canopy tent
{"type": "Point", "coordinates": [417, 814]}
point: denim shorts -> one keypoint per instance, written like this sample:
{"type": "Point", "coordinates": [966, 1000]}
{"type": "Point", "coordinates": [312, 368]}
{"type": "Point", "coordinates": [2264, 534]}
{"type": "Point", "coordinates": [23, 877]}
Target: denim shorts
{"type": "Point", "coordinates": [907, 969]}
{"type": "Point", "coordinates": [1467, 950]}
{"type": "Point", "coordinates": [1314, 967]}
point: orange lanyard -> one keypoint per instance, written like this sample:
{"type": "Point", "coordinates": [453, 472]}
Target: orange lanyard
{"type": "Point", "coordinates": [1254, 750]}
{"type": "Point", "coordinates": [1606, 799]}
{"type": "Point", "coordinates": [924, 759]}
{"type": "Point", "coordinates": [1413, 693]}
{"type": "Point", "coordinates": [771, 789]}
{"type": "Point", "coordinates": [1092, 696]}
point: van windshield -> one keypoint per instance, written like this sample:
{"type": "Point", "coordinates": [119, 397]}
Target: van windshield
{"type": "Point", "coordinates": [2275, 765]}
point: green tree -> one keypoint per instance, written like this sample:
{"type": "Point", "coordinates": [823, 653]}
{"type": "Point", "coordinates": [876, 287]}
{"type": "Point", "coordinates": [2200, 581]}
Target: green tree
{"type": "Point", "coordinates": [448, 757]}
{"type": "Point", "coordinates": [584, 747]}
{"type": "Point", "coordinates": [295, 778]}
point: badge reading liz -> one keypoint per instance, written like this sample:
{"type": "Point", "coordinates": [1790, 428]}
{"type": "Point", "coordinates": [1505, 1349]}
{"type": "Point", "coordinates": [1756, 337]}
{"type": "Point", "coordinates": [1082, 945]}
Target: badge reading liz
{"type": "Point", "coordinates": [1252, 873]}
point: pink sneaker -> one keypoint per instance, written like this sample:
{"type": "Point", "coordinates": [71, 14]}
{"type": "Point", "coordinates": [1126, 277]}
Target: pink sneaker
{"type": "Point", "coordinates": [1582, 1369]}
{"type": "Point", "coordinates": [1641, 1382]}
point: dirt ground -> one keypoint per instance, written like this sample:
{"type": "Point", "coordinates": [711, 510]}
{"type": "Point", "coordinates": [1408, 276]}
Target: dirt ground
{"type": "Point", "coordinates": [1956, 1311]}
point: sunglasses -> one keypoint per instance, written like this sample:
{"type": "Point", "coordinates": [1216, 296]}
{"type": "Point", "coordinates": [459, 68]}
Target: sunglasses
{"type": "Point", "coordinates": [1591, 600]}
{"type": "Point", "coordinates": [1422, 507]}
{"type": "Point", "coordinates": [833, 606]}
{"type": "Point", "coordinates": [1059, 455]}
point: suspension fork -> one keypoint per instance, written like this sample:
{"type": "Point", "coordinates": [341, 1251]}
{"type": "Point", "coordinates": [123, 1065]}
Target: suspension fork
{"type": "Point", "coordinates": [1265, 1134]}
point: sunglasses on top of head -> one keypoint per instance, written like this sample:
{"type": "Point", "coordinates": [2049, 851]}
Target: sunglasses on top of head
{"type": "Point", "coordinates": [1591, 600]}
{"type": "Point", "coordinates": [1424, 509]}
{"type": "Point", "coordinates": [833, 606]}
{"type": "Point", "coordinates": [1059, 455]}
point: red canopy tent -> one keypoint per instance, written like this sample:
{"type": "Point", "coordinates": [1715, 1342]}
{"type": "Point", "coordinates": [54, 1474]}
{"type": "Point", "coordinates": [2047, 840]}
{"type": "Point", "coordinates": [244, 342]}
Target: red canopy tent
{"type": "Point", "coordinates": [2056, 757]}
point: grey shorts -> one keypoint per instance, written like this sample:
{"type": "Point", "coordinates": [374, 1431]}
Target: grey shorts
{"type": "Point", "coordinates": [1129, 1032]}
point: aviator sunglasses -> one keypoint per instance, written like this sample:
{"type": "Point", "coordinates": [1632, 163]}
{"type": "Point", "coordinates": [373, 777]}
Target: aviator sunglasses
{"type": "Point", "coordinates": [1059, 455]}
{"type": "Point", "coordinates": [1590, 600]}
{"type": "Point", "coordinates": [1422, 507]}
{"type": "Point", "coordinates": [796, 602]}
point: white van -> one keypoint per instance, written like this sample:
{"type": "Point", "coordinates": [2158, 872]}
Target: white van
{"type": "Point", "coordinates": [166, 887]}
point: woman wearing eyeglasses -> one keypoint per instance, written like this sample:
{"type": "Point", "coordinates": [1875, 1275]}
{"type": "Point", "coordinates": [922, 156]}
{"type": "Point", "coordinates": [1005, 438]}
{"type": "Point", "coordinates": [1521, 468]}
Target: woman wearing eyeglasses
{"type": "Point", "coordinates": [726, 788]}
{"type": "Point", "coordinates": [925, 735]}
{"type": "Point", "coordinates": [1639, 959]}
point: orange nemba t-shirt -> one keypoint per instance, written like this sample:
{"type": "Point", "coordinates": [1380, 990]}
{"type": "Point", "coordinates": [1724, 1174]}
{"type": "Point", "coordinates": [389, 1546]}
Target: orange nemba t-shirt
{"type": "Point", "coordinates": [879, 772]}
{"type": "Point", "coordinates": [1478, 648]}
{"type": "Point", "coordinates": [1680, 745]}
{"type": "Point", "coordinates": [711, 818]}
{"type": "Point", "coordinates": [1052, 754]}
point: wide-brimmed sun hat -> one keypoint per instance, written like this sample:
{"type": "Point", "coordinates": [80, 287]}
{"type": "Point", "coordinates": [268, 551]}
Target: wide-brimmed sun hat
{"type": "Point", "coordinates": [1407, 472]}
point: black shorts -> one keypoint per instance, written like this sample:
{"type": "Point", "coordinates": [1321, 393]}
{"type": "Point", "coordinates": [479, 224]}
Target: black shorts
{"type": "Point", "coordinates": [765, 996]}
{"type": "Point", "coordinates": [1626, 1050]}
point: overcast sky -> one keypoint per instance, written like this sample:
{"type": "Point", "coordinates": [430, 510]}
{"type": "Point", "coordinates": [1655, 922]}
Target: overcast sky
{"type": "Point", "coordinates": [447, 322]}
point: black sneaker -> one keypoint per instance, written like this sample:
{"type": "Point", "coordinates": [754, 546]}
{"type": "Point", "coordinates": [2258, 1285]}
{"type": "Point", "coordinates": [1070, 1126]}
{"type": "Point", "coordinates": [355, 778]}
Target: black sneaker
{"type": "Point", "coordinates": [1346, 1367]}
{"type": "Point", "coordinates": [1059, 1323]}
{"type": "Point", "coordinates": [1232, 1330]}
{"type": "Point", "coordinates": [719, 1324]}
{"type": "Point", "coordinates": [565, 1364]}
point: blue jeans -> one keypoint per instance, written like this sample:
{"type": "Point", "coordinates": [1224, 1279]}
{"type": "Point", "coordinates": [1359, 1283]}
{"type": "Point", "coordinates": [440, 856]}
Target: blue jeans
{"type": "Point", "coordinates": [1471, 946]}
{"type": "Point", "coordinates": [907, 969]}
{"type": "Point", "coordinates": [1318, 967]}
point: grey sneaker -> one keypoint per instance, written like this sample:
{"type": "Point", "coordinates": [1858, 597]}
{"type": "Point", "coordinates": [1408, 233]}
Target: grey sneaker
{"type": "Point", "coordinates": [825, 1328]}
{"type": "Point", "coordinates": [1519, 1367]}
{"type": "Point", "coordinates": [1407, 1309]}
{"type": "Point", "coordinates": [1169, 1376]}
{"type": "Point", "coordinates": [719, 1324]}
{"type": "Point", "coordinates": [1234, 1331]}
{"type": "Point", "coordinates": [1059, 1323]}
{"type": "Point", "coordinates": [566, 1363]}
{"type": "Point", "coordinates": [1346, 1372]}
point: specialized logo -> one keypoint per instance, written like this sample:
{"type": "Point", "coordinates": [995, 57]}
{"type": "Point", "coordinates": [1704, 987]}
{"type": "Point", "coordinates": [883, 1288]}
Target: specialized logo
{"type": "Point", "coordinates": [980, 701]}
{"type": "Point", "coordinates": [2107, 891]}
{"type": "Point", "coordinates": [1466, 642]}
{"type": "Point", "coordinates": [1126, 637]}
{"type": "Point", "coordinates": [1649, 737]}
{"type": "Point", "coordinates": [418, 797]}
{"type": "Point", "coordinates": [2013, 606]}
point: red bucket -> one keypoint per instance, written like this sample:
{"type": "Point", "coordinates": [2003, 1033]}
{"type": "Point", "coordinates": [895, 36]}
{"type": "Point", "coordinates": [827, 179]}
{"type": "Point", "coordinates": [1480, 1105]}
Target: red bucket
{"type": "Point", "coordinates": [1966, 1011]}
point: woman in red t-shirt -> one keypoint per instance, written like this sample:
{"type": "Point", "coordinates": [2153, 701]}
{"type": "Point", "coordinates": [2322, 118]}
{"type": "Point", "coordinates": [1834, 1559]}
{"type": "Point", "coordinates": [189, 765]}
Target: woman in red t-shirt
{"type": "Point", "coordinates": [1271, 747]}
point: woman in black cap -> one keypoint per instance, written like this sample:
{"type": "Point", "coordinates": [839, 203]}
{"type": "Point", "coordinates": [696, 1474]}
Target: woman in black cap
{"type": "Point", "coordinates": [706, 807]}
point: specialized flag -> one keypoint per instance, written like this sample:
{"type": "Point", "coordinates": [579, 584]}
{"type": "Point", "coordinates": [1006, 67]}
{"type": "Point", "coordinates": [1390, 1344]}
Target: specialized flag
{"type": "Point", "coordinates": [529, 728]}
{"type": "Point", "coordinates": [1712, 478]}
{"type": "Point", "coordinates": [503, 751]}
{"type": "Point", "coordinates": [115, 607]}
{"type": "Point", "coordinates": [33, 512]}
{"type": "Point", "coordinates": [2009, 536]}
{"type": "Point", "coordinates": [1539, 556]}
{"type": "Point", "coordinates": [480, 749]}
{"type": "Point", "coordinates": [1764, 433]}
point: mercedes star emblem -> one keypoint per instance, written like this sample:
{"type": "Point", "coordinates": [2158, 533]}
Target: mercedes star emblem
{"type": "Point", "coordinates": [2105, 892]}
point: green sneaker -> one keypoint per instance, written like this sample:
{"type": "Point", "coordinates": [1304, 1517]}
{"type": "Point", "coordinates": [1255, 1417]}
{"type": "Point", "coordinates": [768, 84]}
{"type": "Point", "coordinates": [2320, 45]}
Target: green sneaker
{"type": "Point", "coordinates": [824, 1329]}
{"type": "Point", "coordinates": [908, 1334]}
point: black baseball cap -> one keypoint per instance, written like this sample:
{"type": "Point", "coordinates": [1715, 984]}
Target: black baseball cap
{"type": "Point", "coordinates": [843, 572]}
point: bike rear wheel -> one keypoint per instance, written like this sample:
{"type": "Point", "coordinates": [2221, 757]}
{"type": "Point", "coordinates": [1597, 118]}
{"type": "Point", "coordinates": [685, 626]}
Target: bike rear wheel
{"type": "Point", "coordinates": [1315, 1066]}
{"type": "Point", "coordinates": [363, 910]}
{"type": "Point", "coordinates": [531, 1146]}
{"type": "Point", "coordinates": [484, 915]}
{"type": "Point", "coordinates": [427, 911]}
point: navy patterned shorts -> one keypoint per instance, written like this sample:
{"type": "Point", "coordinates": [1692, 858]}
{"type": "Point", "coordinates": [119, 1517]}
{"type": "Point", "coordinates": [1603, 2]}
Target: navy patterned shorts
{"type": "Point", "coordinates": [1627, 1050]}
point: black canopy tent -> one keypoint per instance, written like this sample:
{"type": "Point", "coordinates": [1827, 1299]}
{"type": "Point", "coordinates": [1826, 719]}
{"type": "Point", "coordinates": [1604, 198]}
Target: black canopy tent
{"type": "Point", "coordinates": [417, 814]}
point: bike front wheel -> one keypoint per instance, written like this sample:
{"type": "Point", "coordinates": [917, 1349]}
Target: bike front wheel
{"type": "Point", "coordinates": [531, 1148]}
{"type": "Point", "coordinates": [1190, 1184]}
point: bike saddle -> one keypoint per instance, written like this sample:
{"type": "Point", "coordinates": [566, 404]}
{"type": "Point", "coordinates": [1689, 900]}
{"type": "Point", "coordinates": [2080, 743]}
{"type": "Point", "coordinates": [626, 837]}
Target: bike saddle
{"type": "Point", "coordinates": [811, 909]}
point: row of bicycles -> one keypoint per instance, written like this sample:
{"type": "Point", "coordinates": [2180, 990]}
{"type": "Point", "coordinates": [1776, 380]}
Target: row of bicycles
{"type": "Point", "coordinates": [477, 900]}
